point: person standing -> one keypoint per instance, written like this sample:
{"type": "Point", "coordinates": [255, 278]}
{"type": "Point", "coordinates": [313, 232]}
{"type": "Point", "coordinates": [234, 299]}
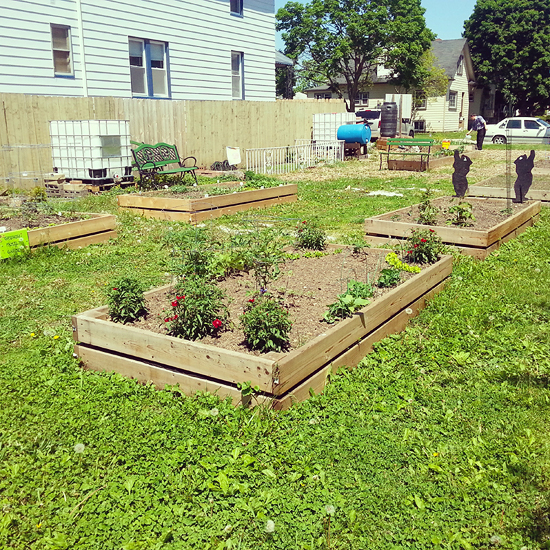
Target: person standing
{"type": "Point", "coordinates": [480, 126]}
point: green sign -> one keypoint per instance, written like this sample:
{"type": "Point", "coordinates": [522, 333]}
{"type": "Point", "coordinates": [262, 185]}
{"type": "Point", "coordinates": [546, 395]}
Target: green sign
{"type": "Point", "coordinates": [13, 243]}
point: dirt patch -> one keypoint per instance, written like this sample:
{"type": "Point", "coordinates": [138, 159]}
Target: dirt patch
{"type": "Point", "coordinates": [12, 223]}
{"type": "Point", "coordinates": [487, 212]}
{"type": "Point", "coordinates": [198, 192]}
{"type": "Point", "coordinates": [306, 286]}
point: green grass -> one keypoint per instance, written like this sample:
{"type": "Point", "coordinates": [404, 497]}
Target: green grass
{"type": "Point", "coordinates": [438, 440]}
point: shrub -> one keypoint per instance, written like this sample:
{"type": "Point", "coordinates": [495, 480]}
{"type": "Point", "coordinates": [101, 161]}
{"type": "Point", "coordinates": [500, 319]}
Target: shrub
{"type": "Point", "coordinates": [198, 310]}
{"type": "Point", "coordinates": [310, 236]}
{"type": "Point", "coordinates": [350, 301]}
{"type": "Point", "coordinates": [393, 259]}
{"type": "Point", "coordinates": [423, 246]}
{"type": "Point", "coordinates": [427, 212]}
{"type": "Point", "coordinates": [266, 323]}
{"type": "Point", "coordinates": [463, 216]}
{"type": "Point", "coordinates": [125, 300]}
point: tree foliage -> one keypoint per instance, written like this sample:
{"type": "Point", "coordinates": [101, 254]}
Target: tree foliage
{"type": "Point", "coordinates": [340, 42]}
{"type": "Point", "coordinates": [510, 46]}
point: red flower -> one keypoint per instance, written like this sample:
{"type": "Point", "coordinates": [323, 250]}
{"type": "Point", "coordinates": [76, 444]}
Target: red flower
{"type": "Point", "coordinates": [409, 251]}
{"type": "Point", "coordinates": [416, 246]}
{"type": "Point", "coordinates": [304, 222]}
{"type": "Point", "coordinates": [167, 320]}
{"type": "Point", "coordinates": [115, 288]}
{"type": "Point", "coordinates": [432, 230]}
{"type": "Point", "coordinates": [423, 241]}
{"type": "Point", "coordinates": [174, 303]}
{"type": "Point", "coordinates": [251, 300]}
{"type": "Point", "coordinates": [216, 323]}
{"type": "Point", "coordinates": [174, 317]}
{"type": "Point", "coordinates": [180, 297]}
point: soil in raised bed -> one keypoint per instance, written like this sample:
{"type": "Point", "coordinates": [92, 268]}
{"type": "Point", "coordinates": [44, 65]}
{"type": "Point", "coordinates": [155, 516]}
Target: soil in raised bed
{"type": "Point", "coordinates": [12, 223]}
{"type": "Point", "coordinates": [487, 212]}
{"type": "Point", "coordinates": [306, 286]}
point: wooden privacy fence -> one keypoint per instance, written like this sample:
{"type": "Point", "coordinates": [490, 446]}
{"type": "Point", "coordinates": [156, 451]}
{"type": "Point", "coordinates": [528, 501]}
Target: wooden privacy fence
{"type": "Point", "coordinates": [199, 128]}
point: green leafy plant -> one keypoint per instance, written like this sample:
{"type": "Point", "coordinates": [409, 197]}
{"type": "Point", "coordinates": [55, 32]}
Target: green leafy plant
{"type": "Point", "coordinates": [388, 277]}
{"type": "Point", "coordinates": [266, 323]}
{"type": "Point", "coordinates": [197, 310]}
{"type": "Point", "coordinates": [393, 259]}
{"type": "Point", "coordinates": [311, 236]}
{"type": "Point", "coordinates": [463, 216]}
{"type": "Point", "coordinates": [355, 297]}
{"type": "Point", "coordinates": [427, 212]}
{"type": "Point", "coordinates": [423, 246]}
{"type": "Point", "coordinates": [125, 300]}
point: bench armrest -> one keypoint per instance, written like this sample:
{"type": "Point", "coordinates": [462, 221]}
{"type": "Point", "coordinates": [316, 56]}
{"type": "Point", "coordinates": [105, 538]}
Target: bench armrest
{"type": "Point", "coordinates": [182, 162]}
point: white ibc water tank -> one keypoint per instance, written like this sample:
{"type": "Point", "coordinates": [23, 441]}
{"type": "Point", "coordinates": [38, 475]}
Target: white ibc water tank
{"type": "Point", "coordinates": [94, 150]}
{"type": "Point", "coordinates": [325, 125]}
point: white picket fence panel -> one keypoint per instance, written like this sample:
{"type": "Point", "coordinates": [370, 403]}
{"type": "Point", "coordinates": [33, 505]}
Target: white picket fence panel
{"type": "Point", "coordinates": [303, 154]}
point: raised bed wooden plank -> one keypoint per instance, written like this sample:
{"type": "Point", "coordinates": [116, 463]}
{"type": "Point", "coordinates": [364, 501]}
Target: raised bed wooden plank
{"type": "Point", "coordinates": [66, 231]}
{"type": "Point", "coordinates": [507, 226]}
{"type": "Point", "coordinates": [500, 193]}
{"type": "Point", "coordinates": [376, 226]}
{"type": "Point", "coordinates": [81, 242]}
{"type": "Point", "coordinates": [181, 354]}
{"type": "Point", "coordinates": [98, 360]}
{"type": "Point", "coordinates": [302, 362]}
{"type": "Point", "coordinates": [219, 201]}
{"type": "Point", "coordinates": [350, 358]}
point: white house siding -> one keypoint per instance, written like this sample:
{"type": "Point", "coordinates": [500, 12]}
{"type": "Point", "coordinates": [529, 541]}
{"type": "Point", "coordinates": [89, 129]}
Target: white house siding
{"type": "Point", "coordinates": [200, 33]}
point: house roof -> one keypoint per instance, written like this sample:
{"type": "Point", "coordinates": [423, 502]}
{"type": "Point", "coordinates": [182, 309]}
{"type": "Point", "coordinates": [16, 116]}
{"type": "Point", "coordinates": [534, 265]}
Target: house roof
{"type": "Point", "coordinates": [281, 60]}
{"type": "Point", "coordinates": [447, 53]}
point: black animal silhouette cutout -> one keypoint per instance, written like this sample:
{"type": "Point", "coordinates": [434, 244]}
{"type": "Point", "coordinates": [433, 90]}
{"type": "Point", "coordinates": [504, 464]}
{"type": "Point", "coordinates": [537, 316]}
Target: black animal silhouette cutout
{"type": "Point", "coordinates": [524, 165]}
{"type": "Point", "coordinates": [461, 166]}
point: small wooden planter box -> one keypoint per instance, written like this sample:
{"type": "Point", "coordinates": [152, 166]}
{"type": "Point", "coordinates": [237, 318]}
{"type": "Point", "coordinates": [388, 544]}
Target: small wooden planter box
{"type": "Point", "coordinates": [283, 378]}
{"type": "Point", "coordinates": [410, 165]}
{"type": "Point", "coordinates": [97, 229]}
{"type": "Point", "coordinates": [477, 243]}
{"type": "Point", "coordinates": [199, 210]}
{"type": "Point", "coordinates": [541, 195]}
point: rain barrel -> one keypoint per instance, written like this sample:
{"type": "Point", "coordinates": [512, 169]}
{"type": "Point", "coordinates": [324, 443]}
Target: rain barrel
{"type": "Point", "coordinates": [388, 119]}
{"type": "Point", "coordinates": [354, 133]}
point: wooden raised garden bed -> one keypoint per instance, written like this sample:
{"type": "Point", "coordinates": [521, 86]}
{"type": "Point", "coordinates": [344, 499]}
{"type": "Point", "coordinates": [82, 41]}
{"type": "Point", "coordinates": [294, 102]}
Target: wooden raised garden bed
{"type": "Point", "coordinates": [381, 230]}
{"type": "Point", "coordinates": [76, 234]}
{"type": "Point", "coordinates": [283, 378]}
{"type": "Point", "coordinates": [201, 209]}
{"type": "Point", "coordinates": [541, 195]}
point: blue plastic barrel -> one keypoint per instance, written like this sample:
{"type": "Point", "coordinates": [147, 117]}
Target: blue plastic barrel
{"type": "Point", "coordinates": [354, 133]}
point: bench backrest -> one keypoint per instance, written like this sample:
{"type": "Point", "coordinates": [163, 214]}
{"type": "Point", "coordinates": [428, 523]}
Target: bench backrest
{"type": "Point", "coordinates": [411, 142]}
{"type": "Point", "coordinates": [152, 156]}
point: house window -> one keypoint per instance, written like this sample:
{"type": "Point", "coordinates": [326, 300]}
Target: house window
{"type": "Point", "coordinates": [452, 100]}
{"type": "Point", "coordinates": [148, 67]}
{"type": "Point", "coordinates": [61, 48]}
{"type": "Point", "coordinates": [236, 7]}
{"type": "Point", "coordinates": [323, 96]}
{"type": "Point", "coordinates": [420, 126]}
{"type": "Point", "coordinates": [362, 98]}
{"type": "Point", "coordinates": [420, 101]}
{"type": "Point", "coordinates": [237, 77]}
{"type": "Point", "coordinates": [460, 66]}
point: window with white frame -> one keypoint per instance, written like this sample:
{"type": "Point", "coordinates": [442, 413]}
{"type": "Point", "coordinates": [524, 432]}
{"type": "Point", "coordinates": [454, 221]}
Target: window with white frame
{"type": "Point", "coordinates": [148, 67]}
{"type": "Point", "coordinates": [324, 95]}
{"type": "Point", "coordinates": [237, 76]}
{"type": "Point", "coordinates": [420, 100]}
{"type": "Point", "coordinates": [61, 49]}
{"type": "Point", "coordinates": [362, 98]}
{"type": "Point", "coordinates": [452, 100]}
{"type": "Point", "coordinates": [236, 7]}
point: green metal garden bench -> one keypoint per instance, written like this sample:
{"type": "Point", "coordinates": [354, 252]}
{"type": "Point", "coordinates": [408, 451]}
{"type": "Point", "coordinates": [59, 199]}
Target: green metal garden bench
{"type": "Point", "coordinates": [152, 160]}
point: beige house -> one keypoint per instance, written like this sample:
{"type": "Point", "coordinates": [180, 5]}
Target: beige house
{"type": "Point", "coordinates": [435, 114]}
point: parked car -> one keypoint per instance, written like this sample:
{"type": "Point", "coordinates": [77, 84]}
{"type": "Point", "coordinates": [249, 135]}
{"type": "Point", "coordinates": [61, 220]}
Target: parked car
{"type": "Point", "coordinates": [373, 118]}
{"type": "Point", "coordinates": [518, 130]}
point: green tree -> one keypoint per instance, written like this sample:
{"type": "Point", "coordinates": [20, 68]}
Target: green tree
{"type": "Point", "coordinates": [431, 80]}
{"type": "Point", "coordinates": [340, 42]}
{"type": "Point", "coordinates": [510, 46]}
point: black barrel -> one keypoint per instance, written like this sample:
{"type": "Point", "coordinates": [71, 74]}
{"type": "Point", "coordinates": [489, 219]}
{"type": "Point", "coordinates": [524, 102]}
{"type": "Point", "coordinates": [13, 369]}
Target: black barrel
{"type": "Point", "coordinates": [388, 119]}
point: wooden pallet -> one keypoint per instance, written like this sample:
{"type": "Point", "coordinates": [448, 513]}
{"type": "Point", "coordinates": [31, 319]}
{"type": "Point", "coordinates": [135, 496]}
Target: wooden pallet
{"type": "Point", "coordinates": [283, 378]}
{"type": "Point", "coordinates": [199, 210]}
{"type": "Point", "coordinates": [477, 243]}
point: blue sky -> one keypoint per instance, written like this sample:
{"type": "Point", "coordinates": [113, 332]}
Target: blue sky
{"type": "Point", "coordinates": [446, 19]}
